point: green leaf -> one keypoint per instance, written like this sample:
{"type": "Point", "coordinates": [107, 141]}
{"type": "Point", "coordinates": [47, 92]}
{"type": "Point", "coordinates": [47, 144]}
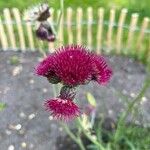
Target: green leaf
{"type": "Point", "coordinates": [91, 99]}
{"type": "Point", "coordinates": [2, 106]}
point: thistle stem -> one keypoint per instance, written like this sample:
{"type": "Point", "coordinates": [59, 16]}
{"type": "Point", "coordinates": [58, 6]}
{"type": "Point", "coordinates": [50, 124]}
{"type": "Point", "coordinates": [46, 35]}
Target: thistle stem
{"type": "Point", "coordinates": [77, 140]}
{"type": "Point", "coordinates": [94, 141]}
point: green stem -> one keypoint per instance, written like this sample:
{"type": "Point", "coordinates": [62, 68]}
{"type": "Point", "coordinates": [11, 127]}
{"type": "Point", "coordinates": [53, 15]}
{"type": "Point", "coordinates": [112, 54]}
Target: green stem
{"type": "Point", "coordinates": [94, 141]}
{"type": "Point", "coordinates": [73, 137]}
{"type": "Point", "coordinates": [130, 107]}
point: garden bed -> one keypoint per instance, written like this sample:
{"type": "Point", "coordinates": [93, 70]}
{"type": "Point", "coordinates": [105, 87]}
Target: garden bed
{"type": "Point", "coordinates": [24, 123]}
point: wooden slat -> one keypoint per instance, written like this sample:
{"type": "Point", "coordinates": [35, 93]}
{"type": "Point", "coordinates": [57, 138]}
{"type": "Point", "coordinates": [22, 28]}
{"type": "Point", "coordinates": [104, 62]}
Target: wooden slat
{"type": "Point", "coordinates": [20, 28]}
{"type": "Point", "coordinates": [60, 29]}
{"type": "Point", "coordinates": [100, 29]}
{"type": "Point", "coordinates": [79, 17]}
{"type": "Point", "coordinates": [29, 34]}
{"type": "Point", "coordinates": [89, 26]}
{"type": "Point", "coordinates": [133, 25]}
{"type": "Point", "coordinates": [120, 30]}
{"type": "Point", "coordinates": [51, 46]}
{"type": "Point", "coordinates": [69, 25]}
{"type": "Point", "coordinates": [110, 29]}
{"type": "Point", "coordinates": [142, 32]}
{"type": "Point", "coordinates": [10, 30]}
{"type": "Point", "coordinates": [3, 37]}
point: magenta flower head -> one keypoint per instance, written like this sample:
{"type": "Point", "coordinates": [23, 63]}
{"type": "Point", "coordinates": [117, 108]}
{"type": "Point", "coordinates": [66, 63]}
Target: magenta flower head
{"type": "Point", "coordinates": [62, 109]}
{"type": "Point", "coordinates": [71, 64]}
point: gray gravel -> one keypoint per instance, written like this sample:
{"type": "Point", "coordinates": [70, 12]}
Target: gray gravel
{"type": "Point", "coordinates": [24, 123]}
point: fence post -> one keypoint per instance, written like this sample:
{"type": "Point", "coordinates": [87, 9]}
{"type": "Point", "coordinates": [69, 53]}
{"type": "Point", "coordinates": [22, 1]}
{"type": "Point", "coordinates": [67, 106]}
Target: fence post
{"type": "Point", "coordinates": [20, 29]}
{"type": "Point", "coordinates": [51, 21]}
{"type": "Point", "coordinates": [142, 32]}
{"type": "Point", "coordinates": [79, 16]}
{"type": "Point", "coordinates": [133, 24]}
{"type": "Point", "coordinates": [69, 25]}
{"type": "Point", "coordinates": [9, 26]}
{"type": "Point", "coordinates": [89, 27]}
{"type": "Point", "coordinates": [29, 33]}
{"type": "Point", "coordinates": [3, 37]}
{"type": "Point", "coordinates": [110, 29]}
{"type": "Point", "coordinates": [120, 30]}
{"type": "Point", "coordinates": [100, 29]}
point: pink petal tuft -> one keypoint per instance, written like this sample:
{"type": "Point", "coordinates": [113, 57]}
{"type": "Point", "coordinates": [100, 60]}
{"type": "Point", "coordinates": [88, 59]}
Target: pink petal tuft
{"type": "Point", "coordinates": [62, 109]}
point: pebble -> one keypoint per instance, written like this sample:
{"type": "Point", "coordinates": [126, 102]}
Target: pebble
{"type": "Point", "coordinates": [133, 95]}
{"type": "Point", "coordinates": [31, 81]}
{"type": "Point", "coordinates": [11, 147]}
{"type": "Point", "coordinates": [15, 127]}
{"type": "Point", "coordinates": [18, 127]}
{"type": "Point", "coordinates": [8, 132]}
{"type": "Point", "coordinates": [45, 90]}
{"type": "Point", "coordinates": [17, 70]}
{"type": "Point", "coordinates": [50, 117]}
{"type": "Point", "coordinates": [22, 115]}
{"type": "Point", "coordinates": [31, 116]}
{"type": "Point", "coordinates": [23, 145]}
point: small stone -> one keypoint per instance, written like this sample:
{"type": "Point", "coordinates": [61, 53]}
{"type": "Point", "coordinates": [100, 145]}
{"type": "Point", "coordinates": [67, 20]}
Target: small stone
{"type": "Point", "coordinates": [23, 145]}
{"type": "Point", "coordinates": [8, 132]}
{"type": "Point", "coordinates": [143, 100]}
{"type": "Point", "coordinates": [50, 117]}
{"type": "Point", "coordinates": [45, 90]}
{"type": "Point", "coordinates": [11, 147]}
{"type": "Point", "coordinates": [133, 95]}
{"type": "Point", "coordinates": [31, 146]}
{"type": "Point", "coordinates": [22, 115]}
{"type": "Point", "coordinates": [31, 81]}
{"type": "Point", "coordinates": [31, 116]}
{"type": "Point", "coordinates": [22, 132]}
{"type": "Point", "coordinates": [17, 70]}
{"type": "Point", "coordinates": [18, 127]}
{"type": "Point", "coordinates": [110, 112]}
{"type": "Point", "coordinates": [60, 129]}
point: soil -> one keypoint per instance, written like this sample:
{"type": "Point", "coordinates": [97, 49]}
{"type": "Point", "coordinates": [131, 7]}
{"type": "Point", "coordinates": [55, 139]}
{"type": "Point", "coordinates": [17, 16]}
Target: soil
{"type": "Point", "coordinates": [24, 122]}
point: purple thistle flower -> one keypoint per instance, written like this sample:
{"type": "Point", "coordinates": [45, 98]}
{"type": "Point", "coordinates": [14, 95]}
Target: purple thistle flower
{"type": "Point", "coordinates": [74, 65]}
{"type": "Point", "coordinates": [62, 109]}
{"type": "Point", "coordinates": [45, 32]}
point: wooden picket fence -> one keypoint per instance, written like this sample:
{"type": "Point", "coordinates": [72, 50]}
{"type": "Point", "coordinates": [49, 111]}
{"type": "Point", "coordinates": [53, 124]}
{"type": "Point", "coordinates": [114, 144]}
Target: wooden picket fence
{"type": "Point", "coordinates": [89, 28]}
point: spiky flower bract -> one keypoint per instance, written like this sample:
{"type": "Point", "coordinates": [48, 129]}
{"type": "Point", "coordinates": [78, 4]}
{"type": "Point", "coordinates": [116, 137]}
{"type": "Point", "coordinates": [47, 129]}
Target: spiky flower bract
{"type": "Point", "coordinates": [101, 71]}
{"type": "Point", "coordinates": [62, 109]}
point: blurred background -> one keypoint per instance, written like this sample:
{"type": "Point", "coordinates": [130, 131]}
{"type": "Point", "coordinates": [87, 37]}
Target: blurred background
{"type": "Point", "coordinates": [118, 29]}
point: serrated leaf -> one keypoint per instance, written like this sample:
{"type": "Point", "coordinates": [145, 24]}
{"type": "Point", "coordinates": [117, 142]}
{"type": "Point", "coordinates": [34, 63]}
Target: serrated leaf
{"type": "Point", "coordinates": [2, 106]}
{"type": "Point", "coordinates": [91, 99]}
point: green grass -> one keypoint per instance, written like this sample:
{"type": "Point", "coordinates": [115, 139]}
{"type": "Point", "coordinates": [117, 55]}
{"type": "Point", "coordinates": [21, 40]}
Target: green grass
{"type": "Point", "coordinates": [143, 7]}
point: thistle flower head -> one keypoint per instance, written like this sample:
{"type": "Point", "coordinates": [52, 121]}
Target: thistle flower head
{"type": "Point", "coordinates": [62, 109]}
{"type": "Point", "coordinates": [38, 13]}
{"type": "Point", "coordinates": [101, 71]}
{"type": "Point", "coordinates": [73, 65]}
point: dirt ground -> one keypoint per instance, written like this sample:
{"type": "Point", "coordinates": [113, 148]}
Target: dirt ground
{"type": "Point", "coordinates": [24, 124]}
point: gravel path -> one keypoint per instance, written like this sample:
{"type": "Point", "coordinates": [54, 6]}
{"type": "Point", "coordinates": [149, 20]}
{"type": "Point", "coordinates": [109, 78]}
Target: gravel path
{"type": "Point", "coordinates": [24, 123]}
